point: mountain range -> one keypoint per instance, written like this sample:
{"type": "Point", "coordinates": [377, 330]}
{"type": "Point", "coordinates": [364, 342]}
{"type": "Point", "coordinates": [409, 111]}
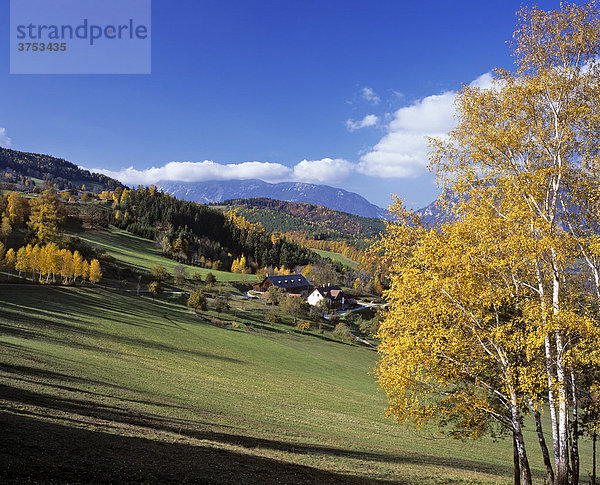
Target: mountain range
{"type": "Point", "coordinates": [68, 175]}
{"type": "Point", "coordinates": [323, 195]}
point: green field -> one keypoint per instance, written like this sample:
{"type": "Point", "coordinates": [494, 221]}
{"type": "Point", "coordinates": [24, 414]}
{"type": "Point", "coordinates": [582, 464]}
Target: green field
{"type": "Point", "coordinates": [143, 254]}
{"type": "Point", "coordinates": [337, 257]}
{"type": "Point", "coordinates": [100, 385]}
{"type": "Point", "coordinates": [102, 370]}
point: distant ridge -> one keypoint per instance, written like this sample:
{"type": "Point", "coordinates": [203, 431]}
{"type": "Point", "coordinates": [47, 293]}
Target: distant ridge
{"type": "Point", "coordinates": [52, 168]}
{"type": "Point", "coordinates": [323, 195]}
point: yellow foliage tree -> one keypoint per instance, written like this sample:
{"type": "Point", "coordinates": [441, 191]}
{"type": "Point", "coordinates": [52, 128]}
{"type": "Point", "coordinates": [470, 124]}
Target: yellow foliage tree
{"type": "Point", "coordinates": [16, 208]}
{"type": "Point", "coordinates": [10, 259]}
{"type": "Point", "coordinates": [51, 261]}
{"type": "Point", "coordinates": [495, 309]}
{"type": "Point", "coordinates": [239, 265]}
{"type": "Point", "coordinates": [45, 218]}
{"type": "Point", "coordinates": [95, 271]}
{"type": "Point", "coordinates": [5, 229]}
{"type": "Point", "coordinates": [67, 270]}
{"type": "Point", "coordinates": [78, 267]}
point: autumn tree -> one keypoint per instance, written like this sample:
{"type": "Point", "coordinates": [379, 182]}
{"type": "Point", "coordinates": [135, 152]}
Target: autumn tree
{"type": "Point", "coordinates": [94, 215]}
{"type": "Point", "coordinates": [274, 295]}
{"type": "Point", "coordinates": [452, 344]}
{"type": "Point", "coordinates": [295, 306]}
{"type": "Point", "coordinates": [78, 266]}
{"type": "Point", "coordinates": [9, 260]}
{"type": "Point", "coordinates": [5, 229]}
{"type": "Point", "coordinates": [322, 306]}
{"type": "Point", "coordinates": [179, 274]}
{"type": "Point", "coordinates": [303, 326]}
{"type": "Point", "coordinates": [239, 265]}
{"type": "Point", "coordinates": [342, 332]}
{"type": "Point", "coordinates": [221, 304]}
{"type": "Point", "coordinates": [159, 273]}
{"type": "Point", "coordinates": [197, 300]}
{"type": "Point", "coordinates": [324, 274]}
{"type": "Point", "coordinates": [16, 209]}
{"type": "Point", "coordinates": [493, 313]}
{"type": "Point", "coordinates": [51, 261]}
{"type": "Point", "coordinates": [95, 271]}
{"type": "Point", "coordinates": [45, 218]}
{"type": "Point", "coordinates": [154, 288]}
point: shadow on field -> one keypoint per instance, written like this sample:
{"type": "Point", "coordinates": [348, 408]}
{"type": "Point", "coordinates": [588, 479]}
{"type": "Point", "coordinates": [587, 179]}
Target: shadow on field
{"type": "Point", "coordinates": [147, 460]}
{"type": "Point", "coordinates": [33, 451]}
{"type": "Point", "coordinates": [27, 320]}
{"type": "Point", "coordinates": [35, 448]}
{"type": "Point", "coordinates": [32, 375]}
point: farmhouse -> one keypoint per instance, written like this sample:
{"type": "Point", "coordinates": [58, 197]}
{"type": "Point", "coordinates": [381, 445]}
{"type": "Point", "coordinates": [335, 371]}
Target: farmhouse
{"type": "Point", "coordinates": [333, 295]}
{"type": "Point", "coordinates": [295, 283]}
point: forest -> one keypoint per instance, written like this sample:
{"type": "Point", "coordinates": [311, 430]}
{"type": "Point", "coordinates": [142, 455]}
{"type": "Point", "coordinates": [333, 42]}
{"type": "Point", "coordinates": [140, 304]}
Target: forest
{"type": "Point", "coordinates": [195, 233]}
{"type": "Point", "coordinates": [310, 219]}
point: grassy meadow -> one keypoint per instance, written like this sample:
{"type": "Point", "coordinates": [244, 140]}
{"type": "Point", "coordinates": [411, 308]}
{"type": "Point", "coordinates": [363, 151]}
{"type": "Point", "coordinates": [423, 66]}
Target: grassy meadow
{"type": "Point", "coordinates": [143, 254]}
{"type": "Point", "coordinates": [340, 258]}
{"type": "Point", "coordinates": [101, 385]}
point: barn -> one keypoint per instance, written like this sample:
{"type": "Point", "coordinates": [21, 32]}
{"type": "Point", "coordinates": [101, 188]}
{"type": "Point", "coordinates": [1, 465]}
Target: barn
{"type": "Point", "coordinates": [295, 283]}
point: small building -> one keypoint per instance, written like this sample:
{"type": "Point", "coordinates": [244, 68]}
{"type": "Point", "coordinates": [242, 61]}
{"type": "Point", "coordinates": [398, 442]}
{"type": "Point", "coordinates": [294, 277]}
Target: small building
{"type": "Point", "coordinates": [295, 283]}
{"type": "Point", "coordinates": [332, 294]}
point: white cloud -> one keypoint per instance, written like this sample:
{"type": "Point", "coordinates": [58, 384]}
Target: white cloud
{"type": "Point", "coordinates": [402, 152]}
{"type": "Point", "coordinates": [369, 120]}
{"type": "Point", "coordinates": [4, 138]}
{"type": "Point", "coordinates": [199, 171]}
{"type": "Point", "coordinates": [324, 170]}
{"type": "Point", "coordinates": [485, 81]}
{"type": "Point", "coordinates": [370, 95]}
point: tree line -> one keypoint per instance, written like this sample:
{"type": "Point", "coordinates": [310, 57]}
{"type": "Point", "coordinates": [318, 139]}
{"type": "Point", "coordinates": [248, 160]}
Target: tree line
{"type": "Point", "coordinates": [43, 258]}
{"type": "Point", "coordinates": [283, 216]}
{"type": "Point", "coordinates": [49, 262]}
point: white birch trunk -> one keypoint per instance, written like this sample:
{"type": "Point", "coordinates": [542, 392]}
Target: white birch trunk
{"type": "Point", "coordinates": [519, 442]}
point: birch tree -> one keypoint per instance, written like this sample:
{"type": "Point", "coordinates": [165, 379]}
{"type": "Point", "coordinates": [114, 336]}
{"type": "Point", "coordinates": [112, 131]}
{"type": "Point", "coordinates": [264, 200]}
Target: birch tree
{"type": "Point", "coordinates": [508, 275]}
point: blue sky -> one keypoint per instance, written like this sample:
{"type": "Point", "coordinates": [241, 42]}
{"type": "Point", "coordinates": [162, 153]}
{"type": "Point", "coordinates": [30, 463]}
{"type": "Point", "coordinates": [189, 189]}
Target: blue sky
{"type": "Point", "coordinates": [334, 92]}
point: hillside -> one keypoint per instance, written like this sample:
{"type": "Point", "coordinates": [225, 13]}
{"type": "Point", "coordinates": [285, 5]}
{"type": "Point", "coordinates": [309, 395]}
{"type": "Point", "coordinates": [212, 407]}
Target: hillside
{"type": "Point", "coordinates": [323, 195]}
{"type": "Point", "coordinates": [310, 219]}
{"type": "Point", "coordinates": [65, 174]}
{"type": "Point", "coordinates": [194, 233]}
{"type": "Point", "coordinates": [163, 396]}
{"type": "Point", "coordinates": [137, 388]}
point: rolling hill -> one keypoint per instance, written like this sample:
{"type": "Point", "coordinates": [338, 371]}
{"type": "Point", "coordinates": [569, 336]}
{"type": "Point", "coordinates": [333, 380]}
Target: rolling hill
{"type": "Point", "coordinates": [309, 219]}
{"type": "Point", "coordinates": [46, 167]}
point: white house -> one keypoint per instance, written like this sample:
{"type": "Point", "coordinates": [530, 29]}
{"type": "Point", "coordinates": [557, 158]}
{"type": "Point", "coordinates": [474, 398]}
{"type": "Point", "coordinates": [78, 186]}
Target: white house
{"type": "Point", "coordinates": [333, 295]}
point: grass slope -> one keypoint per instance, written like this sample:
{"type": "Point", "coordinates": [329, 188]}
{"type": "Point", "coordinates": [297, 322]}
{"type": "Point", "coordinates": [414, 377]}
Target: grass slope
{"type": "Point", "coordinates": [336, 257]}
{"type": "Point", "coordinates": [100, 385]}
{"type": "Point", "coordinates": [104, 372]}
{"type": "Point", "coordinates": [142, 254]}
